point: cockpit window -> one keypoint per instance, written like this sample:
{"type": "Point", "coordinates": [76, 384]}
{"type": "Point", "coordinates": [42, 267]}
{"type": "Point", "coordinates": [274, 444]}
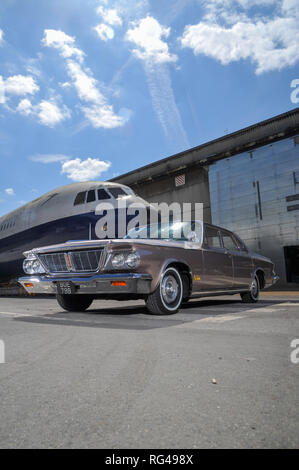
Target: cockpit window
{"type": "Point", "coordinates": [80, 198]}
{"type": "Point", "coordinates": [48, 198]}
{"type": "Point", "coordinates": [91, 196]}
{"type": "Point", "coordinates": [117, 192]}
{"type": "Point", "coordinates": [102, 194]}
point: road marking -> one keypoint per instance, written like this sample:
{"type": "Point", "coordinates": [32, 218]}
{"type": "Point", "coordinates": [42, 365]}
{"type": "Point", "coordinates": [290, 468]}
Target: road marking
{"type": "Point", "coordinates": [261, 310]}
{"type": "Point", "coordinates": [214, 319]}
{"type": "Point", "coordinates": [289, 304]}
{"type": "Point", "coordinates": [17, 314]}
{"type": "Point", "coordinates": [219, 319]}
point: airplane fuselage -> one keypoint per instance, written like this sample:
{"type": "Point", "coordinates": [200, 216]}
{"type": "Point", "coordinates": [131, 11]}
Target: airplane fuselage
{"type": "Point", "coordinates": [60, 215]}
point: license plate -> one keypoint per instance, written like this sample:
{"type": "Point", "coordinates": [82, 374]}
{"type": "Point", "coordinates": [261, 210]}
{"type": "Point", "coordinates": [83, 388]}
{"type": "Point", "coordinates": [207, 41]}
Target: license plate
{"type": "Point", "coordinates": [65, 288]}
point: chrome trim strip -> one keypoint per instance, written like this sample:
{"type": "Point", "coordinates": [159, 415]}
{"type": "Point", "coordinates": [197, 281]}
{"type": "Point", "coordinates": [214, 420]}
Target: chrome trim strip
{"type": "Point", "coordinates": [70, 253]}
{"type": "Point", "coordinates": [98, 277]}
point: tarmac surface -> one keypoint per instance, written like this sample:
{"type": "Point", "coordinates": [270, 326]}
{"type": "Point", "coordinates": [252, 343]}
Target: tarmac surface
{"type": "Point", "coordinates": [218, 374]}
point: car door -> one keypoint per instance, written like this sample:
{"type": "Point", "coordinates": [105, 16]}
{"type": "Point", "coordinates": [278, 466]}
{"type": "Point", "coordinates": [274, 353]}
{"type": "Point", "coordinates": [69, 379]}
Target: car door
{"type": "Point", "coordinates": [217, 262]}
{"type": "Point", "coordinates": [242, 264]}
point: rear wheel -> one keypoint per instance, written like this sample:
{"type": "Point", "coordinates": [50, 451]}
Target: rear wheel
{"type": "Point", "coordinates": [167, 298]}
{"type": "Point", "coordinates": [74, 303]}
{"type": "Point", "coordinates": [253, 295]}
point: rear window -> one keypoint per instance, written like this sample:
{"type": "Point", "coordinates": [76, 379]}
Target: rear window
{"type": "Point", "coordinates": [102, 194]}
{"type": "Point", "coordinates": [117, 192]}
{"type": "Point", "coordinates": [212, 237]}
{"type": "Point", "coordinates": [228, 241]}
{"type": "Point", "coordinates": [80, 198]}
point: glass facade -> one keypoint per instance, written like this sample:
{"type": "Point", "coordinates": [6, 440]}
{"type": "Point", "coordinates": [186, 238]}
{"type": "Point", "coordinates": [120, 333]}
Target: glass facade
{"type": "Point", "coordinates": [256, 195]}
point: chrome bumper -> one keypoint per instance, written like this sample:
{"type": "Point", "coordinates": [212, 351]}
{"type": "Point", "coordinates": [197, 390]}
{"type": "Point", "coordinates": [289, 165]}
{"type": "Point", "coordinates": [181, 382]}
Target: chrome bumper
{"type": "Point", "coordinates": [270, 282]}
{"type": "Point", "coordinates": [135, 283]}
{"type": "Point", "coordinates": [275, 279]}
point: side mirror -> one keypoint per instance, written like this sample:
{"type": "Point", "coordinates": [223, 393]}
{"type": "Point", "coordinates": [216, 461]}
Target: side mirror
{"type": "Point", "coordinates": [192, 237]}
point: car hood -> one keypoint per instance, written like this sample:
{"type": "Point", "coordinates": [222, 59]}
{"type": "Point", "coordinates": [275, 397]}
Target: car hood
{"type": "Point", "coordinates": [111, 244]}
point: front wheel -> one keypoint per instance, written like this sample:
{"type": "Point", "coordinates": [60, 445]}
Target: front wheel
{"type": "Point", "coordinates": [74, 303]}
{"type": "Point", "coordinates": [253, 295]}
{"type": "Point", "coordinates": [167, 298]}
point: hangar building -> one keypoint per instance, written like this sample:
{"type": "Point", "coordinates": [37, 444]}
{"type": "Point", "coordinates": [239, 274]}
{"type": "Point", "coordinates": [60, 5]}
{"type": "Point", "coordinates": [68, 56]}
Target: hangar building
{"type": "Point", "coordinates": [248, 182]}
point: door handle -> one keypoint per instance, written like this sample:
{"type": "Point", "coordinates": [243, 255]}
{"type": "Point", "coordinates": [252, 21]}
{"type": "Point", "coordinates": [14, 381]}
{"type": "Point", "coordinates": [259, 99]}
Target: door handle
{"type": "Point", "coordinates": [228, 253]}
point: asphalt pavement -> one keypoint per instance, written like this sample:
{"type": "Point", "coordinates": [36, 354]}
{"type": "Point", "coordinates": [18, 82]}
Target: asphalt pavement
{"type": "Point", "coordinates": [218, 374]}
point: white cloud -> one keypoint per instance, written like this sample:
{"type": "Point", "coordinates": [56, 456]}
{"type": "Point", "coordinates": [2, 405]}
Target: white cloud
{"type": "Point", "coordinates": [104, 31]}
{"type": "Point", "coordinates": [110, 16]}
{"type": "Point", "coordinates": [164, 104]}
{"type": "Point", "coordinates": [102, 116]}
{"type": "Point", "coordinates": [83, 170]}
{"type": "Point", "coordinates": [65, 84]}
{"type": "Point", "coordinates": [50, 114]}
{"type": "Point", "coordinates": [10, 192]}
{"type": "Point", "coordinates": [24, 107]}
{"type": "Point", "coordinates": [99, 112]}
{"type": "Point", "coordinates": [2, 91]}
{"type": "Point", "coordinates": [20, 85]}
{"type": "Point", "coordinates": [269, 42]}
{"type": "Point", "coordinates": [84, 83]}
{"type": "Point", "coordinates": [64, 43]}
{"type": "Point", "coordinates": [50, 158]}
{"type": "Point", "coordinates": [1, 35]}
{"type": "Point", "coordinates": [147, 35]}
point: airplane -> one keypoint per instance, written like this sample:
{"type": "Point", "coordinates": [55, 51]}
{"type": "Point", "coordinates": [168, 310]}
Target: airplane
{"type": "Point", "coordinates": [66, 213]}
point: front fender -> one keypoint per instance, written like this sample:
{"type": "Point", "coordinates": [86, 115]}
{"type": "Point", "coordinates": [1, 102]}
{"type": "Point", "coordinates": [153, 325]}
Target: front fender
{"type": "Point", "coordinates": [166, 264]}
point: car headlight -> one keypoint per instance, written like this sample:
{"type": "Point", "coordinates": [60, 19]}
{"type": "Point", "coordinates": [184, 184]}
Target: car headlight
{"type": "Point", "coordinates": [132, 260]}
{"type": "Point", "coordinates": [32, 266]}
{"type": "Point", "coordinates": [118, 261]}
{"type": "Point", "coordinates": [125, 261]}
{"type": "Point", "coordinates": [30, 255]}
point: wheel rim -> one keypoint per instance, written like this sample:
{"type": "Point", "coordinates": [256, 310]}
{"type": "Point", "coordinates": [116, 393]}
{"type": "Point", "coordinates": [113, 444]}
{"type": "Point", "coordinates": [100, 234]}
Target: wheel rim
{"type": "Point", "coordinates": [254, 288]}
{"type": "Point", "coordinates": [171, 290]}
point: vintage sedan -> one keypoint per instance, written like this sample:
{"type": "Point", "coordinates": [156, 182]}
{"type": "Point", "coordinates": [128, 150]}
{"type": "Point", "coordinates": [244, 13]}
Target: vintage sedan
{"type": "Point", "coordinates": [163, 264]}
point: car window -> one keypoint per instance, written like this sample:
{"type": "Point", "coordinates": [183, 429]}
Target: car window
{"type": "Point", "coordinates": [178, 231]}
{"type": "Point", "coordinates": [228, 241]}
{"type": "Point", "coordinates": [91, 196]}
{"type": "Point", "coordinates": [80, 198]}
{"type": "Point", "coordinates": [117, 192]}
{"type": "Point", "coordinates": [102, 194]}
{"type": "Point", "coordinates": [212, 237]}
{"type": "Point", "coordinates": [241, 244]}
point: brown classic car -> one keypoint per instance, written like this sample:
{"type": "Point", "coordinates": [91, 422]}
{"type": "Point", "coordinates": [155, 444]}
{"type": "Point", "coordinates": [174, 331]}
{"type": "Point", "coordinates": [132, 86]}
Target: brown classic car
{"type": "Point", "coordinates": [161, 264]}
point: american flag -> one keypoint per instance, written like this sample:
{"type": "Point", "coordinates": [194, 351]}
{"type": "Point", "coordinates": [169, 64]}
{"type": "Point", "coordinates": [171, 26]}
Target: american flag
{"type": "Point", "coordinates": [179, 180]}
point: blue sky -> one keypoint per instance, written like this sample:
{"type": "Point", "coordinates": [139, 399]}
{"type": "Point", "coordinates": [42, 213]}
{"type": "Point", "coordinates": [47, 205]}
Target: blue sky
{"type": "Point", "coordinates": [90, 89]}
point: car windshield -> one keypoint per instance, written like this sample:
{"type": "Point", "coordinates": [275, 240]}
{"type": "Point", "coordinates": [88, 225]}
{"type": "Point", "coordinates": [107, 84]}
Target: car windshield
{"type": "Point", "coordinates": [180, 231]}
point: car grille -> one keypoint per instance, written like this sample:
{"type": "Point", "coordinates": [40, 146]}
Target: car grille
{"type": "Point", "coordinates": [75, 261]}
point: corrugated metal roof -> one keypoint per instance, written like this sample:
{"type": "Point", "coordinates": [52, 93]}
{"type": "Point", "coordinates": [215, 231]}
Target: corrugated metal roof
{"type": "Point", "coordinates": [246, 139]}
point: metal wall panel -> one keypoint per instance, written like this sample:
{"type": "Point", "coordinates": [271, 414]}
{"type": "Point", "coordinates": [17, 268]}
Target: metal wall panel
{"type": "Point", "coordinates": [248, 195]}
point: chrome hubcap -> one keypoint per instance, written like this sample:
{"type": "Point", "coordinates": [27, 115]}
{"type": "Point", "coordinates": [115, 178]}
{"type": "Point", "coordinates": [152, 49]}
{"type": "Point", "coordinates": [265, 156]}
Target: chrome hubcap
{"type": "Point", "coordinates": [254, 288]}
{"type": "Point", "coordinates": [170, 288]}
